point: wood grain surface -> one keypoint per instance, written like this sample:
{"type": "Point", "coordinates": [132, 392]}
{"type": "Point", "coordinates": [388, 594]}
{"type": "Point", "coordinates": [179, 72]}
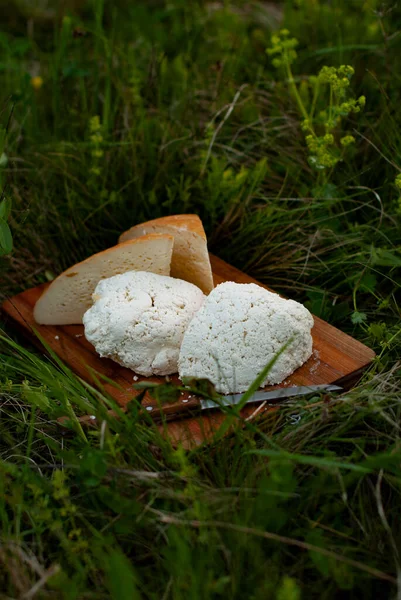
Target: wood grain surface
{"type": "Point", "coordinates": [337, 358]}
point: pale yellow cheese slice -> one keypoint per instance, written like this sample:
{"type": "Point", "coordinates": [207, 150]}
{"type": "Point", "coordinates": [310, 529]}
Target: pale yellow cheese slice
{"type": "Point", "coordinates": [190, 260]}
{"type": "Point", "coordinates": [69, 296]}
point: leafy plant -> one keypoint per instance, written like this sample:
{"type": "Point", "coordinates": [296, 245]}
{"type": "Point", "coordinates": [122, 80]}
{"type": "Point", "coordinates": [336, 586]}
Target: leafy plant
{"type": "Point", "coordinates": [304, 502]}
{"type": "Point", "coordinates": [326, 145]}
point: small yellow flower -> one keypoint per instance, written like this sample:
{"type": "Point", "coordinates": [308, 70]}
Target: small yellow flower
{"type": "Point", "coordinates": [74, 533]}
{"type": "Point", "coordinates": [347, 140]}
{"type": "Point", "coordinates": [36, 82]}
{"type": "Point", "coordinates": [94, 124]}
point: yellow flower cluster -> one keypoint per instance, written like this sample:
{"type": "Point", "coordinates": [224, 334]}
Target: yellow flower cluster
{"type": "Point", "coordinates": [322, 154]}
{"type": "Point", "coordinates": [339, 78]}
{"type": "Point", "coordinates": [326, 150]}
{"type": "Point", "coordinates": [96, 139]}
{"type": "Point", "coordinates": [282, 49]}
{"type": "Point", "coordinates": [36, 82]}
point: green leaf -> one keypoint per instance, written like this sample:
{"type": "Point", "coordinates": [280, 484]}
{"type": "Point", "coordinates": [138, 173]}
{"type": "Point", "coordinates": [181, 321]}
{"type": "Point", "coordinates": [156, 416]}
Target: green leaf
{"type": "Point", "coordinates": [3, 160]}
{"type": "Point", "coordinates": [37, 399]}
{"type": "Point", "coordinates": [5, 208]}
{"type": "Point", "coordinates": [117, 502]}
{"type": "Point", "coordinates": [358, 317]}
{"type": "Point", "coordinates": [49, 275]}
{"type": "Point", "coordinates": [368, 282]}
{"type": "Point", "coordinates": [93, 466]}
{"type": "Point", "coordinates": [385, 258]}
{"type": "Point", "coordinates": [288, 590]}
{"type": "Point", "coordinates": [121, 578]}
{"type": "Point", "coordinates": [6, 240]}
{"type": "Point", "coordinates": [343, 575]}
{"type": "Point", "coordinates": [378, 331]}
{"type": "Point", "coordinates": [321, 562]}
{"type": "Point", "coordinates": [315, 461]}
{"type": "Point", "coordinates": [20, 46]}
{"type": "Point", "coordinates": [326, 191]}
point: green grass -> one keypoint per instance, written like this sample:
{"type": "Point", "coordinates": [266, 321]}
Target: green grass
{"type": "Point", "coordinates": [192, 116]}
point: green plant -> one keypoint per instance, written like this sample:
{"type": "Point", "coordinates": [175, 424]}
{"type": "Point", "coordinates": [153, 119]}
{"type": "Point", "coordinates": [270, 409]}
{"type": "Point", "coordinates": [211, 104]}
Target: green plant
{"type": "Point", "coordinates": [326, 143]}
{"type": "Point", "coordinates": [303, 503]}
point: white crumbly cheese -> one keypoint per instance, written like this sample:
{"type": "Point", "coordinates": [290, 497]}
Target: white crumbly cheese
{"type": "Point", "coordinates": [138, 319]}
{"type": "Point", "coordinates": [238, 331]}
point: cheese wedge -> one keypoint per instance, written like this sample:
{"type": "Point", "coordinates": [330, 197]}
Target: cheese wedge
{"type": "Point", "coordinates": [69, 296]}
{"type": "Point", "coordinates": [190, 260]}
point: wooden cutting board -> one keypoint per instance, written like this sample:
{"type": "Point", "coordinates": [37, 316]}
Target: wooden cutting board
{"type": "Point", "coordinates": [337, 358]}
